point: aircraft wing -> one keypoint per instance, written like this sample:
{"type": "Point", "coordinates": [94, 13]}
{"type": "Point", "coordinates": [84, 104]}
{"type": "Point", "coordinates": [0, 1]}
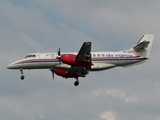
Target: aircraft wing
{"type": "Point", "coordinates": [141, 45]}
{"type": "Point", "coordinates": [84, 53]}
{"type": "Point", "coordinates": [77, 70]}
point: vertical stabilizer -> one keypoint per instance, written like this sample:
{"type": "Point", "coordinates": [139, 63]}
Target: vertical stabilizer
{"type": "Point", "coordinates": [143, 47]}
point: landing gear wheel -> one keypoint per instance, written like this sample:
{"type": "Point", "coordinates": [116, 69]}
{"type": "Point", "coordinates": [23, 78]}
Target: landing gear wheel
{"type": "Point", "coordinates": [76, 83]}
{"type": "Point", "coordinates": [22, 77]}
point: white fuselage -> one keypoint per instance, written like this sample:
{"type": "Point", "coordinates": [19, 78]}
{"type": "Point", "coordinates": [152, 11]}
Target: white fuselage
{"type": "Point", "coordinates": [100, 60]}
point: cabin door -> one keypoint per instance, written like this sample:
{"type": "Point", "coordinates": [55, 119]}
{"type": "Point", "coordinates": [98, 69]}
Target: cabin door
{"type": "Point", "coordinates": [42, 61]}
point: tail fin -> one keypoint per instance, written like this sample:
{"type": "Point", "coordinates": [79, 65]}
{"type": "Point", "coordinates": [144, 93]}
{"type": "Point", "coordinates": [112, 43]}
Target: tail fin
{"type": "Point", "coordinates": [143, 47]}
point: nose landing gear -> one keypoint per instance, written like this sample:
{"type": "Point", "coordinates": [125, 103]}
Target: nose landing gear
{"type": "Point", "coordinates": [22, 76]}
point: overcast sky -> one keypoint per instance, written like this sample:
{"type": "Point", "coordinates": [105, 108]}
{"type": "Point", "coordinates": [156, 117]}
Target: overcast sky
{"type": "Point", "coordinates": [28, 26]}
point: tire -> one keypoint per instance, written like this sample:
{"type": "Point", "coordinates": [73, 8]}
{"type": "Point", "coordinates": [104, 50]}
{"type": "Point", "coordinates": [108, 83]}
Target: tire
{"type": "Point", "coordinates": [22, 77]}
{"type": "Point", "coordinates": [76, 83]}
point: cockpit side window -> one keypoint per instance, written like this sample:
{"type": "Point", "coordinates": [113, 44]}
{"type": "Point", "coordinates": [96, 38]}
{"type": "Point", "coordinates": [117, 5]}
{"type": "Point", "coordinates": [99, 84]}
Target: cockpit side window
{"type": "Point", "coordinates": [33, 55]}
{"type": "Point", "coordinates": [28, 56]}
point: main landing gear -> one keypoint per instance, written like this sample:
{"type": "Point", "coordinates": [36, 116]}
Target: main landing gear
{"type": "Point", "coordinates": [84, 71]}
{"type": "Point", "coordinates": [76, 83]}
{"type": "Point", "coordinates": [22, 76]}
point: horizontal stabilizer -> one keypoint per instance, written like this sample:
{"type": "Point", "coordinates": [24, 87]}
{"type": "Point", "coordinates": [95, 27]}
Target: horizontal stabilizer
{"type": "Point", "coordinates": [141, 45]}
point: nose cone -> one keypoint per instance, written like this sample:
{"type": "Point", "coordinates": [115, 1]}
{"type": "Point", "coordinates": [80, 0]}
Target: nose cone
{"type": "Point", "coordinates": [14, 65]}
{"type": "Point", "coordinates": [10, 66]}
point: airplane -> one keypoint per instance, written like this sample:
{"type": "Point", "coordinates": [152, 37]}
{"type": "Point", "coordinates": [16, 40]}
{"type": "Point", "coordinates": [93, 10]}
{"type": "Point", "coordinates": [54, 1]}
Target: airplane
{"type": "Point", "coordinates": [75, 65]}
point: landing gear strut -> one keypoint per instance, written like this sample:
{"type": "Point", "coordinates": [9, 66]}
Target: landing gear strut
{"type": "Point", "coordinates": [22, 76]}
{"type": "Point", "coordinates": [84, 71]}
{"type": "Point", "coordinates": [76, 83]}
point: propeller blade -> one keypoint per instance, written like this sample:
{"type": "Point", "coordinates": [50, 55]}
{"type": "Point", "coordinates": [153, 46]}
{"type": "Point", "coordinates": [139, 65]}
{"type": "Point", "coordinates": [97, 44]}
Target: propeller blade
{"type": "Point", "coordinates": [59, 55]}
{"type": "Point", "coordinates": [52, 74]}
{"type": "Point", "coordinates": [59, 52]}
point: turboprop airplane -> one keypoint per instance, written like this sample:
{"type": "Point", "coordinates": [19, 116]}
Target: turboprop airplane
{"type": "Point", "coordinates": [75, 65]}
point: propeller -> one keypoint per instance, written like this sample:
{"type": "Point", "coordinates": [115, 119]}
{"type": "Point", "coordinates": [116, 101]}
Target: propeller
{"type": "Point", "coordinates": [59, 55]}
{"type": "Point", "coordinates": [52, 74]}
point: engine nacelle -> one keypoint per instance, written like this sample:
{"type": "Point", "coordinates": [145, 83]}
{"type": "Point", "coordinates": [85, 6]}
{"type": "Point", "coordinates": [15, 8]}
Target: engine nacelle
{"type": "Point", "coordinates": [70, 60]}
{"type": "Point", "coordinates": [65, 74]}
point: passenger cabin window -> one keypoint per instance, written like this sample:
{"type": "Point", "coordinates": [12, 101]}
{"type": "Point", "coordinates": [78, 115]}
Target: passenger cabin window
{"type": "Point", "coordinates": [94, 55]}
{"type": "Point", "coordinates": [98, 55]}
{"type": "Point", "coordinates": [103, 55]}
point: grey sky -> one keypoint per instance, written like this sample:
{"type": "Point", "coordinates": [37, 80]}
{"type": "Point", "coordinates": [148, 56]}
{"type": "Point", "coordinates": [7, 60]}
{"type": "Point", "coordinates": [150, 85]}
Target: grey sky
{"type": "Point", "coordinates": [44, 26]}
